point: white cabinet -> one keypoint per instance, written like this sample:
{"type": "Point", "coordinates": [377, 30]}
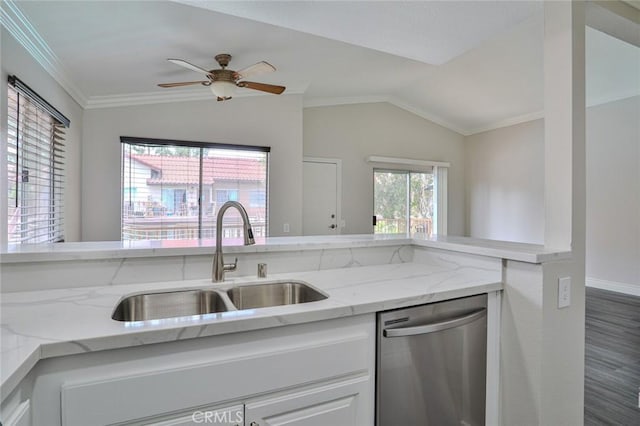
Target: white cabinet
{"type": "Point", "coordinates": [337, 404]}
{"type": "Point", "coordinates": [306, 374]}
{"type": "Point", "coordinates": [342, 402]}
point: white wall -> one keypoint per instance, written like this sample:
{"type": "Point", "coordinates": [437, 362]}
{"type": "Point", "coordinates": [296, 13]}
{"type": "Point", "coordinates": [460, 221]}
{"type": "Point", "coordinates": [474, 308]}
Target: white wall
{"type": "Point", "coordinates": [17, 61]}
{"type": "Point", "coordinates": [504, 189]}
{"type": "Point", "coordinates": [274, 121]}
{"type": "Point", "coordinates": [613, 192]}
{"type": "Point", "coordinates": [505, 193]}
{"type": "Point", "coordinates": [354, 132]}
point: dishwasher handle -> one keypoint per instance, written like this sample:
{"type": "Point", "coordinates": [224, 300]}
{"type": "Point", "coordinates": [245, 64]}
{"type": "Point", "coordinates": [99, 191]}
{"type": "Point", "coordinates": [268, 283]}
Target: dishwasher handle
{"type": "Point", "coordinates": [435, 326]}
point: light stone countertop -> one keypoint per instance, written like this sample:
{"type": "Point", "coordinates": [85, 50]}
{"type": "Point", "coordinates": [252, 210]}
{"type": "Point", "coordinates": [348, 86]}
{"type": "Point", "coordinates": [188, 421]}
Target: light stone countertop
{"type": "Point", "coordinates": [49, 323]}
{"type": "Point", "coordinates": [531, 253]}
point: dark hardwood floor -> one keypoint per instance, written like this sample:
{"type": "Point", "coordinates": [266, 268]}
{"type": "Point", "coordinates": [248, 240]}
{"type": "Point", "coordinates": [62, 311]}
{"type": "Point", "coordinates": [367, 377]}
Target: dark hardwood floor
{"type": "Point", "coordinates": [612, 364]}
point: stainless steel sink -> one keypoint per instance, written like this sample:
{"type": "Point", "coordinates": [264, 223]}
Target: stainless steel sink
{"type": "Point", "coordinates": [170, 304]}
{"type": "Point", "coordinates": [184, 303]}
{"type": "Point", "coordinates": [273, 294]}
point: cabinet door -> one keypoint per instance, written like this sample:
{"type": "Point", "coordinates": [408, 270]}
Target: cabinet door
{"type": "Point", "coordinates": [344, 403]}
{"type": "Point", "coordinates": [227, 416]}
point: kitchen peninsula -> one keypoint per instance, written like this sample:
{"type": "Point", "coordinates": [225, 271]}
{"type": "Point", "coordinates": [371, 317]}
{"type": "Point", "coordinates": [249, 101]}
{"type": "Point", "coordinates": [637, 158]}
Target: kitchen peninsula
{"type": "Point", "coordinates": [58, 300]}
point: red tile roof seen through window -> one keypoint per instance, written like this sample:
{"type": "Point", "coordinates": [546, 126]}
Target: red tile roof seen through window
{"type": "Point", "coordinates": [185, 170]}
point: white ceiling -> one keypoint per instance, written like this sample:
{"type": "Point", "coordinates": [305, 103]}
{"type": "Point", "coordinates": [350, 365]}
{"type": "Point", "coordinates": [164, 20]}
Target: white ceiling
{"type": "Point", "coordinates": [486, 57]}
{"type": "Point", "coordinates": [612, 67]}
{"type": "Point", "coordinates": [431, 32]}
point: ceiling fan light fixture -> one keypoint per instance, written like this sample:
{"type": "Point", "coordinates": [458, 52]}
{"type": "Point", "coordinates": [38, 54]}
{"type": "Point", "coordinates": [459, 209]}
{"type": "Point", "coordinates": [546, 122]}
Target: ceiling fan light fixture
{"type": "Point", "coordinates": [223, 81]}
{"type": "Point", "coordinates": [223, 89]}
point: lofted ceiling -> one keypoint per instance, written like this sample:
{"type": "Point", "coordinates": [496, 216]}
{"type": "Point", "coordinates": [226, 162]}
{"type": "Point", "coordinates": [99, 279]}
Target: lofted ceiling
{"type": "Point", "coordinates": [433, 32]}
{"type": "Point", "coordinates": [466, 65]}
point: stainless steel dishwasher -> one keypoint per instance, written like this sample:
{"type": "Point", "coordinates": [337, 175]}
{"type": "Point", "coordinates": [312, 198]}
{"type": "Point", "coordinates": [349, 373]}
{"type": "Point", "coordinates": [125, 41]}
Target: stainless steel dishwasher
{"type": "Point", "coordinates": [431, 364]}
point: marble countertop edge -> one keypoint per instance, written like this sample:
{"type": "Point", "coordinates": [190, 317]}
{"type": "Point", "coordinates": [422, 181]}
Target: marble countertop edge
{"type": "Point", "coordinates": [530, 253]}
{"type": "Point", "coordinates": [11, 381]}
{"type": "Point", "coordinates": [137, 249]}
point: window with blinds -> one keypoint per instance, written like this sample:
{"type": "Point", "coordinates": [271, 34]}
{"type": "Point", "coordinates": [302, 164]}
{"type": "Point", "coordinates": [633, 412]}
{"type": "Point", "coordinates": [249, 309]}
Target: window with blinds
{"type": "Point", "coordinates": [172, 190]}
{"type": "Point", "coordinates": [35, 166]}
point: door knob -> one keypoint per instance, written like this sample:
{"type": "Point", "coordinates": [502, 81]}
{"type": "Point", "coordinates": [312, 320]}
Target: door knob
{"type": "Point", "coordinates": [332, 226]}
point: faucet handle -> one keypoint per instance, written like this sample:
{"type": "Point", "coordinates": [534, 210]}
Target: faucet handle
{"type": "Point", "coordinates": [231, 266]}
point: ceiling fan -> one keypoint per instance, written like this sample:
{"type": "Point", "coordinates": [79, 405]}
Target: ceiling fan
{"type": "Point", "coordinates": [223, 82]}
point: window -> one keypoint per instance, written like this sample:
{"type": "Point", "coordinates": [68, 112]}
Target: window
{"type": "Point", "coordinates": [405, 202]}
{"type": "Point", "coordinates": [35, 166]}
{"type": "Point", "coordinates": [257, 198]}
{"type": "Point", "coordinates": [174, 189]}
{"type": "Point", "coordinates": [224, 195]}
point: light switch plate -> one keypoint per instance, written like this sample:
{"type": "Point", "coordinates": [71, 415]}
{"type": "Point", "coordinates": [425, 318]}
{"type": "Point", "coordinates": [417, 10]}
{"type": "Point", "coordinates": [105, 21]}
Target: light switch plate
{"type": "Point", "coordinates": [564, 292]}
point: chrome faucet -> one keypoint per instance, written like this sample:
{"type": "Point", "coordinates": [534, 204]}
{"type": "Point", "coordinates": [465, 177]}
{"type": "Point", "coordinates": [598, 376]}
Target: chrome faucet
{"type": "Point", "coordinates": [219, 267]}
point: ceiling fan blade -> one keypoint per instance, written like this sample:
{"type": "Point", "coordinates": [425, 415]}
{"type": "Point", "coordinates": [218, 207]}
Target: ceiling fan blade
{"type": "Point", "coordinates": [187, 65]}
{"type": "Point", "coordinates": [255, 69]}
{"type": "Point", "coordinates": [184, 83]}
{"type": "Point", "coordinates": [270, 88]}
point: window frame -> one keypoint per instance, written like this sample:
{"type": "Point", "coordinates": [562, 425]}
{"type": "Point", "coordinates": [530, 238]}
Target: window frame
{"type": "Point", "coordinates": [43, 154]}
{"type": "Point", "coordinates": [440, 173]}
{"type": "Point", "coordinates": [202, 146]}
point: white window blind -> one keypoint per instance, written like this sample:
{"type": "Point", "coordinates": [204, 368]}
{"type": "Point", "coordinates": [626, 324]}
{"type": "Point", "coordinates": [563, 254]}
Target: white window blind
{"type": "Point", "coordinates": [35, 165]}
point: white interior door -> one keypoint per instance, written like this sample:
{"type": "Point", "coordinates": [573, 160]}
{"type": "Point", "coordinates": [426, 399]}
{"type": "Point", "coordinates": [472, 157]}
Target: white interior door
{"type": "Point", "coordinates": [321, 197]}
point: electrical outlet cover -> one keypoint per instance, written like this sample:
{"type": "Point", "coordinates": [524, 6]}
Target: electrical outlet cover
{"type": "Point", "coordinates": [564, 292]}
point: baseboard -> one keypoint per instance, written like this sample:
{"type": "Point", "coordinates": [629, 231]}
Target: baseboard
{"type": "Point", "coordinates": [626, 288]}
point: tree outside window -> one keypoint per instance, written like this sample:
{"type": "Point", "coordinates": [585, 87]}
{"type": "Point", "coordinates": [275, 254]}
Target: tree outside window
{"type": "Point", "coordinates": [403, 202]}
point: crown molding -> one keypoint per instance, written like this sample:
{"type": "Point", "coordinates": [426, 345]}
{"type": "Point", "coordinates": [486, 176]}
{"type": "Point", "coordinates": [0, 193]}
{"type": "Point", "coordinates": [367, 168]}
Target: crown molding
{"type": "Point", "coordinates": [632, 3]}
{"type": "Point", "coordinates": [540, 114]}
{"type": "Point", "coordinates": [131, 99]}
{"type": "Point", "coordinates": [428, 115]}
{"type": "Point", "coordinates": [174, 95]}
{"type": "Point", "coordinates": [321, 102]}
{"type": "Point", "coordinates": [612, 98]}
{"type": "Point", "coordinates": [507, 122]}
{"type": "Point", "coordinates": [18, 25]}
{"type": "Point", "coordinates": [346, 100]}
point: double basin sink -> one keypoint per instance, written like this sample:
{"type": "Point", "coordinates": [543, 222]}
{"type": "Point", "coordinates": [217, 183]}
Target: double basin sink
{"type": "Point", "coordinates": [181, 303]}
